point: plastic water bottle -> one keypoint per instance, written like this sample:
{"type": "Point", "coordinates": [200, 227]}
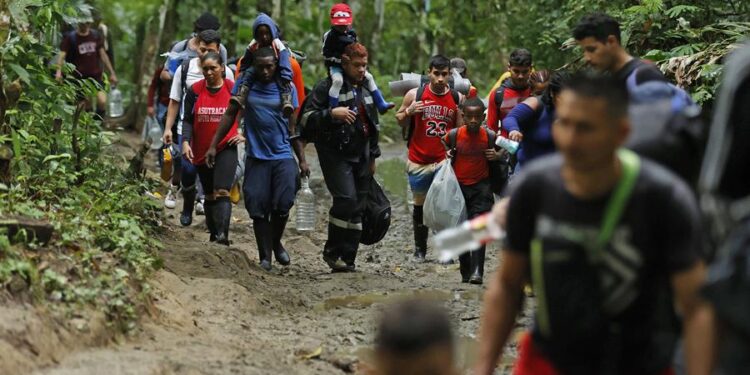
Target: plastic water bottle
{"type": "Point", "coordinates": [115, 103]}
{"type": "Point", "coordinates": [467, 236]}
{"type": "Point", "coordinates": [305, 207]}
{"type": "Point", "coordinates": [507, 144]}
{"type": "Point", "coordinates": [154, 133]}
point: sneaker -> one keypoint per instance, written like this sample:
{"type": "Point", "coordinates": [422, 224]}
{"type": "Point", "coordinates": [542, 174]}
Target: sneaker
{"type": "Point", "coordinates": [199, 209]}
{"type": "Point", "coordinates": [241, 97]}
{"type": "Point", "coordinates": [170, 201]}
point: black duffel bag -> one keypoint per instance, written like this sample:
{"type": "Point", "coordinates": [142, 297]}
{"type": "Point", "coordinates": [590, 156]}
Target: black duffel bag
{"type": "Point", "coordinates": [376, 215]}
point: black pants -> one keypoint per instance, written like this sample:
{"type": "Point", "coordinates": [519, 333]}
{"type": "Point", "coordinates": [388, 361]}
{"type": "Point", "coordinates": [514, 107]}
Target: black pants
{"type": "Point", "coordinates": [478, 198]}
{"type": "Point", "coordinates": [348, 183]}
{"type": "Point", "coordinates": [221, 176]}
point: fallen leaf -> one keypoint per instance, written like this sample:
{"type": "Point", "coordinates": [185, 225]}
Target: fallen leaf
{"type": "Point", "coordinates": [311, 355]}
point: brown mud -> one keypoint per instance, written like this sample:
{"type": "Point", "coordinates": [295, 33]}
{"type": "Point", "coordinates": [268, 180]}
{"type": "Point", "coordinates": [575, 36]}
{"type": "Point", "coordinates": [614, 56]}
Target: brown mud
{"type": "Point", "coordinates": [217, 312]}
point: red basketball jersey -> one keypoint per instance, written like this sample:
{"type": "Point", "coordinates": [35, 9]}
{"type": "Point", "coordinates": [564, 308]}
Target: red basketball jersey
{"type": "Point", "coordinates": [437, 119]}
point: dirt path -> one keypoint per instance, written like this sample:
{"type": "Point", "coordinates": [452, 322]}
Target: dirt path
{"type": "Point", "coordinates": [218, 312]}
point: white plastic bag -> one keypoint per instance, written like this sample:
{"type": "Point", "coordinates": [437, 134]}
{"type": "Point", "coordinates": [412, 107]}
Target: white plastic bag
{"type": "Point", "coordinates": [444, 206]}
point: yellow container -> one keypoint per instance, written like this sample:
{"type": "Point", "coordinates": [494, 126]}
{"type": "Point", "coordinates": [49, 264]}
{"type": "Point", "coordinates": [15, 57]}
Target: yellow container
{"type": "Point", "coordinates": [234, 193]}
{"type": "Point", "coordinates": [166, 165]}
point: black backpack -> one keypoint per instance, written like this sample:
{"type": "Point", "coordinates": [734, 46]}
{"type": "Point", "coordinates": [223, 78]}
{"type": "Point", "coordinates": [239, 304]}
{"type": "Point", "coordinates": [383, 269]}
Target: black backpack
{"type": "Point", "coordinates": [420, 91]}
{"type": "Point", "coordinates": [499, 169]}
{"type": "Point", "coordinates": [376, 215]}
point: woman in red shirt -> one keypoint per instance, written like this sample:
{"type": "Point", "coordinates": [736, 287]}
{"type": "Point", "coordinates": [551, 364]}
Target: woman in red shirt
{"type": "Point", "coordinates": [205, 104]}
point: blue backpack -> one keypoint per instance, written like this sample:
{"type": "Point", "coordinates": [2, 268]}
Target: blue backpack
{"type": "Point", "coordinates": [680, 98]}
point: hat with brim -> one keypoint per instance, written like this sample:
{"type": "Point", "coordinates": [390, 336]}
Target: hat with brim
{"type": "Point", "coordinates": [341, 15]}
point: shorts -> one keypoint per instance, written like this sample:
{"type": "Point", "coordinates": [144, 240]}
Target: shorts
{"type": "Point", "coordinates": [269, 186]}
{"type": "Point", "coordinates": [421, 176]}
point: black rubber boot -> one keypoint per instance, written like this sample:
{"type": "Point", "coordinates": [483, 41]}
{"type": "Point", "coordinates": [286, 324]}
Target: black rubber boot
{"type": "Point", "coordinates": [188, 196]}
{"type": "Point", "coordinates": [464, 261]}
{"type": "Point", "coordinates": [477, 266]}
{"type": "Point", "coordinates": [420, 234]}
{"type": "Point", "coordinates": [278, 223]}
{"type": "Point", "coordinates": [222, 216]}
{"type": "Point", "coordinates": [262, 228]}
{"type": "Point", "coordinates": [351, 247]}
{"type": "Point", "coordinates": [332, 250]}
{"type": "Point", "coordinates": [210, 207]}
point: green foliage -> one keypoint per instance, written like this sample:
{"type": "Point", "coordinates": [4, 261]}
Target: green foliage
{"type": "Point", "coordinates": [66, 171]}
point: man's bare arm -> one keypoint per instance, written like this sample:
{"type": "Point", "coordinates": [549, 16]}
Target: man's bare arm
{"type": "Point", "coordinates": [401, 116]}
{"type": "Point", "coordinates": [502, 302]}
{"type": "Point", "coordinates": [699, 327]}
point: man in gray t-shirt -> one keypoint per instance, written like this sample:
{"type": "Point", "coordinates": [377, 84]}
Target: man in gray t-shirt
{"type": "Point", "coordinates": [188, 48]}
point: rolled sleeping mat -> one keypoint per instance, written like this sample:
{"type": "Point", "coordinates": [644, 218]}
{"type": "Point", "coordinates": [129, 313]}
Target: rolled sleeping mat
{"type": "Point", "coordinates": [410, 81]}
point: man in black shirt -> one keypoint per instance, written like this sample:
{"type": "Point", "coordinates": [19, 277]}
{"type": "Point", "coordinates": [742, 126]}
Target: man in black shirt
{"type": "Point", "coordinates": [605, 297]}
{"type": "Point", "coordinates": [598, 35]}
{"type": "Point", "coordinates": [346, 140]}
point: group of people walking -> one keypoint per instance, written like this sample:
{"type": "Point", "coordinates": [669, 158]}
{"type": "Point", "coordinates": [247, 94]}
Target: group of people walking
{"type": "Point", "coordinates": [609, 240]}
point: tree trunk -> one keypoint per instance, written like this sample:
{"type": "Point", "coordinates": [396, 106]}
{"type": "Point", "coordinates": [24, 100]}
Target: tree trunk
{"type": "Point", "coordinates": [264, 6]}
{"type": "Point", "coordinates": [171, 18]}
{"type": "Point", "coordinates": [229, 26]}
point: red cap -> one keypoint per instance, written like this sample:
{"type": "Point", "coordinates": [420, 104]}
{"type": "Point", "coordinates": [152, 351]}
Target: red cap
{"type": "Point", "coordinates": [341, 14]}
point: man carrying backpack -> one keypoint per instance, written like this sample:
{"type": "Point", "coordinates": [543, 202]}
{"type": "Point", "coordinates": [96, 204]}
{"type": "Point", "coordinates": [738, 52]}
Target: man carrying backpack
{"type": "Point", "coordinates": [472, 148]}
{"type": "Point", "coordinates": [84, 48]}
{"type": "Point", "coordinates": [512, 91]}
{"type": "Point", "coordinates": [671, 134]}
{"type": "Point", "coordinates": [346, 140]}
{"type": "Point", "coordinates": [188, 48]}
{"type": "Point", "coordinates": [612, 245]}
{"type": "Point", "coordinates": [429, 113]}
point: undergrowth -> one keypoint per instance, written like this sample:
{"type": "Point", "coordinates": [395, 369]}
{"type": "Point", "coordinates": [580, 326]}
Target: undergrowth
{"type": "Point", "coordinates": [65, 172]}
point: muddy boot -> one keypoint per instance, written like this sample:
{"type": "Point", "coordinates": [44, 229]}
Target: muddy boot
{"type": "Point", "coordinates": [278, 223]}
{"type": "Point", "coordinates": [210, 206]}
{"type": "Point", "coordinates": [262, 229]}
{"type": "Point", "coordinates": [420, 235]}
{"type": "Point", "coordinates": [350, 254]}
{"type": "Point", "coordinates": [286, 102]}
{"type": "Point", "coordinates": [464, 261]}
{"type": "Point", "coordinates": [188, 196]}
{"type": "Point", "coordinates": [477, 266]}
{"type": "Point", "coordinates": [332, 248]}
{"type": "Point", "coordinates": [222, 213]}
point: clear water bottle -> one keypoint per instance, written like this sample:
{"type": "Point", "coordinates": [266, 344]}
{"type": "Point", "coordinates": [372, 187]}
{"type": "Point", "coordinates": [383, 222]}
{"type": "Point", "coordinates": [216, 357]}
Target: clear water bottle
{"type": "Point", "coordinates": [305, 207]}
{"type": "Point", "coordinates": [154, 133]}
{"type": "Point", "coordinates": [467, 236]}
{"type": "Point", "coordinates": [115, 103]}
{"type": "Point", "coordinates": [507, 144]}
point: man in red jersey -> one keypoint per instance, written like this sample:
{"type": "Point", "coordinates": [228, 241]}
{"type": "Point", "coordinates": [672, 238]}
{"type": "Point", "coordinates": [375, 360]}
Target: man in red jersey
{"type": "Point", "coordinates": [512, 91]}
{"type": "Point", "coordinates": [429, 112]}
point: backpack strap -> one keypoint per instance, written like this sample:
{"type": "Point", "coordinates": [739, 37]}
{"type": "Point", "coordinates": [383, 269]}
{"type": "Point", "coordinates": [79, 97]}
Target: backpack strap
{"type": "Point", "coordinates": [456, 97]}
{"type": "Point", "coordinates": [631, 165]}
{"type": "Point", "coordinates": [412, 123]}
{"type": "Point", "coordinates": [499, 96]}
{"type": "Point", "coordinates": [185, 65]}
{"type": "Point", "coordinates": [452, 140]}
{"type": "Point", "coordinates": [490, 138]}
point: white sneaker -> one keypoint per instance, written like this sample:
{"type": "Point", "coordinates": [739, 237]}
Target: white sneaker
{"type": "Point", "coordinates": [170, 201]}
{"type": "Point", "coordinates": [199, 209]}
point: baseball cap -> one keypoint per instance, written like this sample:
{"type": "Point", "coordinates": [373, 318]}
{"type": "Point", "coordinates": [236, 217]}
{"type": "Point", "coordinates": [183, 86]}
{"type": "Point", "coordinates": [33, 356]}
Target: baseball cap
{"type": "Point", "coordinates": [341, 14]}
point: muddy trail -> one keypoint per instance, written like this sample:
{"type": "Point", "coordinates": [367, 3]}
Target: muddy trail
{"type": "Point", "coordinates": [217, 312]}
